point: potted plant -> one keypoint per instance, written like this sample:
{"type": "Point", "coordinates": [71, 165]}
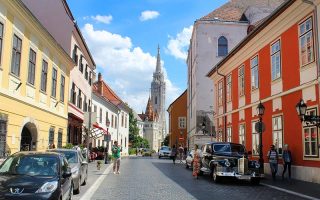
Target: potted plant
{"type": "Point", "coordinates": [98, 165]}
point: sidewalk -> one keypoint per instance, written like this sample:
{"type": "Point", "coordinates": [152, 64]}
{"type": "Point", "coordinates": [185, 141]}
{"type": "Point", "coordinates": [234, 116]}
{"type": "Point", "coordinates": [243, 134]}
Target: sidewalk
{"type": "Point", "coordinates": [301, 188]}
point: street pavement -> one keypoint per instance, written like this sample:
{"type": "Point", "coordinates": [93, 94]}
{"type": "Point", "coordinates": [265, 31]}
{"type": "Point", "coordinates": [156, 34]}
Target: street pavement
{"type": "Point", "coordinates": [150, 178]}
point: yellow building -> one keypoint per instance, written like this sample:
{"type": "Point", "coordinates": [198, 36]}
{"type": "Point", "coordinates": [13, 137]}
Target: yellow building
{"type": "Point", "coordinates": [34, 82]}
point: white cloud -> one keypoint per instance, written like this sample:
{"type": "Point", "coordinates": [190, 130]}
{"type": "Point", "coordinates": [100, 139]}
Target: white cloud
{"type": "Point", "coordinates": [148, 14]}
{"type": "Point", "coordinates": [178, 46]}
{"type": "Point", "coordinates": [127, 69]}
{"type": "Point", "coordinates": [100, 18]}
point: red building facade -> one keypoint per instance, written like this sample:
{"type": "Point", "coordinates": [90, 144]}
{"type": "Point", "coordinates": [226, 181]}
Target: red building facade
{"type": "Point", "coordinates": [276, 64]}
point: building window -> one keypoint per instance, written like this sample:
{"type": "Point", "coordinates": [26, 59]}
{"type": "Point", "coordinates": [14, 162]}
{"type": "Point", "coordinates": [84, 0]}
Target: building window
{"type": "Point", "coordinates": [16, 55]}
{"type": "Point", "coordinates": [54, 82]}
{"type": "Point", "coordinates": [100, 116]}
{"type": "Point", "coordinates": [95, 108]}
{"type": "Point", "coordinates": [242, 134]}
{"type": "Point", "coordinates": [219, 137]}
{"type": "Point", "coordinates": [86, 73]}
{"type": "Point", "coordinates": [44, 73]}
{"type": "Point", "coordinates": [79, 100]}
{"type": "Point", "coordinates": [220, 93]}
{"type": "Point", "coordinates": [115, 122]}
{"type": "Point", "coordinates": [32, 67]}
{"type": "Point", "coordinates": [81, 64]}
{"type": "Point", "coordinates": [85, 104]}
{"type": "Point", "coordinates": [1, 41]}
{"type": "Point", "coordinates": [98, 142]}
{"type": "Point", "coordinates": [60, 138]}
{"type": "Point", "coordinates": [254, 73]}
{"type": "Point", "coordinates": [182, 122]}
{"type": "Point", "coordinates": [62, 88]}
{"type": "Point", "coordinates": [229, 134]}
{"type": "Point", "coordinates": [275, 60]}
{"type": "Point", "coordinates": [74, 54]}
{"type": "Point", "coordinates": [306, 41]}
{"type": "Point", "coordinates": [112, 121]}
{"type": "Point", "coordinates": [255, 140]}
{"type": "Point", "coordinates": [73, 94]}
{"type": "Point", "coordinates": [125, 142]}
{"type": "Point", "coordinates": [125, 122]}
{"type": "Point", "coordinates": [310, 135]}
{"type": "Point", "coordinates": [241, 80]}
{"type": "Point", "coordinates": [89, 108]}
{"type": "Point", "coordinates": [122, 120]}
{"type": "Point", "coordinates": [277, 134]}
{"type": "Point", "coordinates": [51, 136]}
{"type": "Point", "coordinates": [229, 86]}
{"type": "Point", "coordinates": [222, 46]}
{"type": "Point", "coordinates": [156, 100]}
{"type": "Point", "coordinates": [3, 135]}
{"type": "Point", "coordinates": [107, 117]}
{"type": "Point", "coordinates": [90, 78]}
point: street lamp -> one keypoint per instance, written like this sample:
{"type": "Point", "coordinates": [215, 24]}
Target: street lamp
{"type": "Point", "coordinates": [301, 108]}
{"type": "Point", "coordinates": [107, 136]}
{"type": "Point", "coordinates": [260, 112]}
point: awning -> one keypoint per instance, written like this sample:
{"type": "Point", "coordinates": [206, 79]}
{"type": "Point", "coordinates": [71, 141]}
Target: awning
{"type": "Point", "coordinates": [98, 131]}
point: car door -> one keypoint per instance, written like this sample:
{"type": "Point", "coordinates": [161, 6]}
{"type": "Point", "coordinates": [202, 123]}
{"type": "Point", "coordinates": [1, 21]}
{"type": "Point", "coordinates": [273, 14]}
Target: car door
{"type": "Point", "coordinates": [65, 182]}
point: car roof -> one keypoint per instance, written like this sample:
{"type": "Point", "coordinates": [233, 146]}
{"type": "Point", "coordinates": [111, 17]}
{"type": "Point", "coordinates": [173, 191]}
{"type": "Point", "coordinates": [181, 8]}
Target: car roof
{"type": "Point", "coordinates": [223, 143]}
{"type": "Point", "coordinates": [26, 153]}
{"type": "Point", "coordinates": [62, 150]}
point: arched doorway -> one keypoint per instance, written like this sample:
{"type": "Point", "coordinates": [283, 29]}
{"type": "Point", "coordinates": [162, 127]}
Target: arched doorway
{"type": "Point", "coordinates": [28, 137]}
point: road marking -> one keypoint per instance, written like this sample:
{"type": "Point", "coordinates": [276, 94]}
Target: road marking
{"type": "Point", "coordinates": [290, 192]}
{"type": "Point", "coordinates": [89, 193]}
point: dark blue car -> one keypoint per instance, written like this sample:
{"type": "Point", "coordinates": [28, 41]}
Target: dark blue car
{"type": "Point", "coordinates": [35, 175]}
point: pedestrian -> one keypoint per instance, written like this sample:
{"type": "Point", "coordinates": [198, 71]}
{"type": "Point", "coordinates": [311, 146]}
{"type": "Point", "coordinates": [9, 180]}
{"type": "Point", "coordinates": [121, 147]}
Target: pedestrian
{"type": "Point", "coordinates": [116, 157]}
{"type": "Point", "coordinates": [180, 153]}
{"type": "Point", "coordinates": [196, 161]}
{"type": "Point", "coordinates": [185, 151]}
{"type": "Point", "coordinates": [173, 154]}
{"type": "Point", "coordinates": [287, 160]}
{"type": "Point", "coordinates": [273, 161]}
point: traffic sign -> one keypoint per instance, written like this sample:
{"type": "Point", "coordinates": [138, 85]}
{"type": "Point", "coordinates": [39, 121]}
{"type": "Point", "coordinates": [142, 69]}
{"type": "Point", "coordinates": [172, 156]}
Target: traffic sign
{"type": "Point", "coordinates": [260, 127]}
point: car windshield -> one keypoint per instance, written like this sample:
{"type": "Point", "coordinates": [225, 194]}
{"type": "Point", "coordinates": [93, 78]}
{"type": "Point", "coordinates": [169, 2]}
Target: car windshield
{"type": "Point", "coordinates": [222, 148]}
{"type": "Point", "coordinates": [31, 165]}
{"type": "Point", "coordinates": [165, 148]}
{"type": "Point", "coordinates": [72, 156]}
{"type": "Point", "coordinates": [238, 148]}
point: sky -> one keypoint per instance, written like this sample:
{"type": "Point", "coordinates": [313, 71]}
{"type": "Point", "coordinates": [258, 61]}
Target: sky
{"type": "Point", "coordinates": [123, 37]}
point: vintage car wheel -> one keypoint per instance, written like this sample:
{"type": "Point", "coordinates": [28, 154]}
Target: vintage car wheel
{"type": "Point", "coordinates": [255, 181]}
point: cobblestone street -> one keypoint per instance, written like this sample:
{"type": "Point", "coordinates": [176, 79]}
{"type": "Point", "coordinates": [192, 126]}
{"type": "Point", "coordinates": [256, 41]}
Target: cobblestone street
{"type": "Point", "coordinates": [150, 178]}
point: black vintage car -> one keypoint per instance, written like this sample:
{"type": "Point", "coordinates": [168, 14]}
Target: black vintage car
{"type": "Point", "coordinates": [224, 159]}
{"type": "Point", "coordinates": [35, 175]}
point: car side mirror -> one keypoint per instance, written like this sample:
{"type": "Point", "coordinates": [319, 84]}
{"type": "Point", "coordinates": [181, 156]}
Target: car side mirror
{"type": "Point", "coordinates": [67, 173]}
{"type": "Point", "coordinates": [249, 152]}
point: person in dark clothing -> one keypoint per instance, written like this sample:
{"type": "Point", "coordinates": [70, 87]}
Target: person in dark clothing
{"type": "Point", "coordinates": [174, 154]}
{"type": "Point", "coordinates": [287, 160]}
{"type": "Point", "coordinates": [185, 152]}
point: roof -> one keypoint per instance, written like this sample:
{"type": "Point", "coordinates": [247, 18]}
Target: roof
{"type": "Point", "coordinates": [248, 38]}
{"type": "Point", "coordinates": [107, 93]}
{"type": "Point", "coordinates": [176, 99]}
{"type": "Point", "coordinates": [234, 9]}
{"type": "Point", "coordinates": [136, 116]}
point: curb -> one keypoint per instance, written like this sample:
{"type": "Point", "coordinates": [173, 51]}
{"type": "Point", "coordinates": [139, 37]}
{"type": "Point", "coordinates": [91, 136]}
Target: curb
{"type": "Point", "coordinates": [90, 192]}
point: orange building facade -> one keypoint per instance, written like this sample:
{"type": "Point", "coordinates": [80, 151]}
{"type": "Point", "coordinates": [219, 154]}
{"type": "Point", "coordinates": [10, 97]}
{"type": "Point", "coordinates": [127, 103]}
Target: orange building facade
{"type": "Point", "coordinates": [178, 121]}
{"type": "Point", "coordinates": [276, 64]}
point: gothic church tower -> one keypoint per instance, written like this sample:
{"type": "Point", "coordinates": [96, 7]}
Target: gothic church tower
{"type": "Point", "coordinates": [158, 96]}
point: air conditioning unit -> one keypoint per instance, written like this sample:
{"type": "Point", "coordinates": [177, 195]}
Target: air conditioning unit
{"type": "Point", "coordinates": [242, 165]}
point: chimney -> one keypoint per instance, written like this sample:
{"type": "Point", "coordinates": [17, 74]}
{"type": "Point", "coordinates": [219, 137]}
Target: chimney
{"type": "Point", "coordinates": [100, 87]}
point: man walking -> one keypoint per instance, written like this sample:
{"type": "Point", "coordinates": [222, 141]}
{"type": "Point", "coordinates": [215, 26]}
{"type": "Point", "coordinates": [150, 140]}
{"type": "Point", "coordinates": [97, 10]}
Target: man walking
{"type": "Point", "coordinates": [116, 157]}
{"type": "Point", "coordinates": [273, 161]}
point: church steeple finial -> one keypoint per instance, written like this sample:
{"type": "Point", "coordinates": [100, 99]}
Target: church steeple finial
{"type": "Point", "coordinates": [158, 68]}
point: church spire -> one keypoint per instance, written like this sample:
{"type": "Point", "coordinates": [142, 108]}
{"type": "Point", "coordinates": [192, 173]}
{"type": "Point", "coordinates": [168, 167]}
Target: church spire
{"type": "Point", "coordinates": [158, 68]}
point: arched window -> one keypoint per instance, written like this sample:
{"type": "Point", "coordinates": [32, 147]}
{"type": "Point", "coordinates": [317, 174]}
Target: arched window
{"type": "Point", "coordinates": [222, 46]}
{"type": "Point", "coordinates": [155, 100]}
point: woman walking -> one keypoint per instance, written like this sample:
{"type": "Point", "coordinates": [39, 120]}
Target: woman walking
{"type": "Point", "coordinates": [196, 161]}
{"type": "Point", "coordinates": [173, 154]}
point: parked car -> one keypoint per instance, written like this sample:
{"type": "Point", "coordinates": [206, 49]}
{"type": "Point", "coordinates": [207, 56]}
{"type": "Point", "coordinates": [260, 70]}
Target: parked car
{"type": "Point", "coordinates": [79, 167]}
{"type": "Point", "coordinates": [224, 159]}
{"type": "Point", "coordinates": [164, 151]}
{"type": "Point", "coordinates": [35, 175]}
{"type": "Point", "coordinates": [146, 152]}
{"type": "Point", "coordinates": [189, 159]}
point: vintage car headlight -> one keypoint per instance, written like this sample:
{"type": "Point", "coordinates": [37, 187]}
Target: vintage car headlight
{"type": "Point", "coordinates": [257, 165]}
{"type": "Point", "coordinates": [48, 187]}
{"type": "Point", "coordinates": [227, 163]}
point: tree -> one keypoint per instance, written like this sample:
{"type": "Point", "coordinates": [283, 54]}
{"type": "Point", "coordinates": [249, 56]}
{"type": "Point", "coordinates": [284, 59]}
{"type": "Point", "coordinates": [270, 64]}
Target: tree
{"type": "Point", "coordinates": [166, 140]}
{"type": "Point", "coordinates": [133, 127]}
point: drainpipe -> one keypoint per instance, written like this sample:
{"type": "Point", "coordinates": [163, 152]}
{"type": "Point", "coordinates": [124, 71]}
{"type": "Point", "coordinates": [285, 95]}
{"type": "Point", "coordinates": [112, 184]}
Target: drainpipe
{"type": "Point", "coordinates": [224, 100]}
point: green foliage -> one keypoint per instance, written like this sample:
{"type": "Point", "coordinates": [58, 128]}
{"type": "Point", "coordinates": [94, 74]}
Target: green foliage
{"type": "Point", "coordinates": [134, 138]}
{"type": "Point", "coordinates": [132, 151]}
{"type": "Point", "coordinates": [166, 140]}
{"type": "Point", "coordinates": [68, 146]}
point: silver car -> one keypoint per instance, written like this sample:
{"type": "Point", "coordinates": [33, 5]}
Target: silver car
{"type": "Point", "coordinates": [165, 151]}
{"type": "Point", "coordinates": [189, 159]}
{"type": "Point", "coordinates": [78, 165]}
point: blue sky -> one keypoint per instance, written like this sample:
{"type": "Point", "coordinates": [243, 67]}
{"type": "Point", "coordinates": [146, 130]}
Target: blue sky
{"type": "Point", "coordinates": [123, 37]}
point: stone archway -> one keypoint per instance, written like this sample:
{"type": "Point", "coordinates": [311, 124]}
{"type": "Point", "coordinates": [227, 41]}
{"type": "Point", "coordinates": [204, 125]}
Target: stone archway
{"type": "Point", "coordinates": [28, 137]}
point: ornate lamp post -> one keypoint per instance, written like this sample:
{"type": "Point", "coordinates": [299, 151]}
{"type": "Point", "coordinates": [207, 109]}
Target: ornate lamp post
{"type": "Point", "coordinates": [260, 112]}
{"type": "Point", "coordinates": [107, 138]}
{"type": "Point", "coordinates": [301, 108]}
